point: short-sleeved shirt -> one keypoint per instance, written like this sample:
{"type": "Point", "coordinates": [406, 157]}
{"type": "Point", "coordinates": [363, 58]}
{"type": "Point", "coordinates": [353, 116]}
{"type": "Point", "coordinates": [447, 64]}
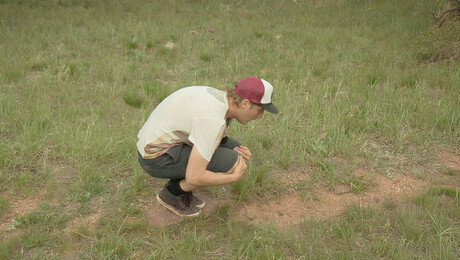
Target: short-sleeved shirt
{"type": "Point", "coordinates": [192, 115]}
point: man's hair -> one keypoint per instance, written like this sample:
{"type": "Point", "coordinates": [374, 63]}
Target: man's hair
{"type": "Point", "coordinates": [231, 94]}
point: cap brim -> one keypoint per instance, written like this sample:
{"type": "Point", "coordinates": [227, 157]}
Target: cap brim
{"type": "Point", "coordinates": [269, 107]}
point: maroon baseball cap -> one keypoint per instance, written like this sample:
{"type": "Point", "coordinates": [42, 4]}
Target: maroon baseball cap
{"type": "Point", "coordinates": [258, 91]}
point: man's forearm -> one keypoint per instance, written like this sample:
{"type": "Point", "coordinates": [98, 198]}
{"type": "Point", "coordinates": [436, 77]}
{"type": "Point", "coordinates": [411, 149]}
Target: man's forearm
{"type": "Point", "coordinates": [208, 178]}
{"type": "Point", "coordinates": [196, 174]}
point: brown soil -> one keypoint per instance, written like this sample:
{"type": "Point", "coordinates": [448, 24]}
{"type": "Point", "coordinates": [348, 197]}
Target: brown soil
{"type": "Point", "coordinates": [88, 222]}
{"type": "Point", "coordinates": [450, 159]}
{"type": "Point", "coordinates": [19, 207]}
{"type": "Point", "coordinates": [291, 208]}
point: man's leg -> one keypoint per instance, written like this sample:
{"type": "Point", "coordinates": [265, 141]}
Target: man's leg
{"type": "Point", "coordinates": [172, 166]}
{"type": "Point", "coordinates": [229, 142]}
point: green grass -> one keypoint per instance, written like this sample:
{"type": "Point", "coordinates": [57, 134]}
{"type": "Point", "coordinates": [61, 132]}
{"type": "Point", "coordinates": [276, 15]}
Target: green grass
{"type": "Point", "coordinates": [356, 83]}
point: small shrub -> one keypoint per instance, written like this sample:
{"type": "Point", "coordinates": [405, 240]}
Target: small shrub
{"type": "Point", "coordinates": [451, 12]}
{"type": "Point", "coordinates": [442, 41]}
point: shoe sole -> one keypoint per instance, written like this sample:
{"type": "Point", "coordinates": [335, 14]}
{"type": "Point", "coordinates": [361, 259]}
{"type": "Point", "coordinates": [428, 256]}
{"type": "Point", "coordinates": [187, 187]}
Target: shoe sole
{"type": "Point", "coordinates": [173, 210]}
{"type": "Point", "coordinates": [201, 206]}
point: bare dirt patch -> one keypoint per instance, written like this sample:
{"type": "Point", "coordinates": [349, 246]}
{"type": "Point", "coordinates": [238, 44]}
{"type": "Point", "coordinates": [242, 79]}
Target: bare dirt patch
{"type": "Point", "coordinates": [61, 172]}
{"type": "Point", "coordinates": [449, 167]}
{"type": "Point", "coordinates": [297, 175]}
{"type": "Point", "coordinates": [88, 222]}
{"type": "Point", "coordinates": [450, 159]}
{"type": "Point", "coordinates": [157, 215]}
{"type": "Point", "coordinates": [20, 206]}
{"type": "Point", "coordinates": [290, 208]}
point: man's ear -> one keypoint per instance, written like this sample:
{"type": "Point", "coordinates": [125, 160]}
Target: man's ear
{"type": "Point", "coordinates": [245, 103]}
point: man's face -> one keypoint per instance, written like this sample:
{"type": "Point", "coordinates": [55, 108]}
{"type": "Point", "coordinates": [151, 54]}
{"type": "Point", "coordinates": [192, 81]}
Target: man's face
{"type": "Point", "coordinates": [249, 111]}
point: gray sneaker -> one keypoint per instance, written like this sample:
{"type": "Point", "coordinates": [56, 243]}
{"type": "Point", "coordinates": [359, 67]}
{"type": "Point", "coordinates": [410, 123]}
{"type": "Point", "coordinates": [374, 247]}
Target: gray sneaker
{"type": "Point", "coordinates": [199, 203]}
{"type": "Point", "coordinates": [180, 205]}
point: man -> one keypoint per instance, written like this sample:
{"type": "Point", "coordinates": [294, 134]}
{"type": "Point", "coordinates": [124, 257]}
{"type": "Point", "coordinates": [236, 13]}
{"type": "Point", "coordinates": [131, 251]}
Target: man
{"type": "Point", "coordinates": [184, 140]}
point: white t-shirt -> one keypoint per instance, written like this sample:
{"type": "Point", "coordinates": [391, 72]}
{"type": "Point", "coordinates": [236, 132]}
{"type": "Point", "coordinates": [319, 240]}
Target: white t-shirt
{"type": "Point", "coordinates": [192, 115]}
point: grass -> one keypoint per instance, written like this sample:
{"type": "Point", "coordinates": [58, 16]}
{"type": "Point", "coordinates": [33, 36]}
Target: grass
{"type": "Point", "coordinates": [358, 84]}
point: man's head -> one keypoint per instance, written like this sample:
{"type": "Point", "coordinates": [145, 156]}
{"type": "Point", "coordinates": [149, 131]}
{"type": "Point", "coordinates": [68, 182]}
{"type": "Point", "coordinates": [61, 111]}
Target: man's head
{"type": "Point", "coordinates": [251, 96]}
{"type": "Point", "coordinates": [258, 91]}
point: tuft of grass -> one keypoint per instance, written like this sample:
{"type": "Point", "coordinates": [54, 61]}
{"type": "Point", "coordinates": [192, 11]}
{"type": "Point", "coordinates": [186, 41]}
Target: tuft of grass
{"type": "Point", "coordinates": [448, 191]}
{"type": "Point", "coordinates": [409, 226]}
{"type": "Point", "coordinates": [256, 180]}
{"type": "Point", "coordinates": [132, 44]}
{"type": "Point", "coordinates": [4, 204]}
{"type": "Point", "coordinates": [451, 172]}
{"type": "Point", "coordinates": [46, 217]}
{"type": "Point", "coordinates": [389, 204]}
{"type": "Point", "coordinates": [207, 57]}
{"type": "Point", "coordinates": [7, 247]}
{"type": "Point", "coordinates": [362, 218]}
{"type": "Point", "coordinates": [358, 184]}
{"type": "Point", "coordinates": [33, 238]}
{"type": "Point", "coordinates": [138, 181]}
{"type": "Point", "coordinates": [132, 99]}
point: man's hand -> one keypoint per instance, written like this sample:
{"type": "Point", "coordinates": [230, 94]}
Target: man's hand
{"type": "Point", "coordinates": [244, 152]}
{"type": "Point", "coordinates": [239, 169]}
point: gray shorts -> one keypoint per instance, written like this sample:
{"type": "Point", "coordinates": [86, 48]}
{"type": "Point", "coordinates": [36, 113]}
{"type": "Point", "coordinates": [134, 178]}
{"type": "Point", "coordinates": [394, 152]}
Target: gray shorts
{"type": "Point", "coordinates": [173, 163]}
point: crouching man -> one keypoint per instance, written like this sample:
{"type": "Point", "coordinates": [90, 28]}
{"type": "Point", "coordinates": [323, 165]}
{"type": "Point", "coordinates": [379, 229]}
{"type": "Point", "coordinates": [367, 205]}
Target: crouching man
{"type": "Point", "coordinates": [184, 140]}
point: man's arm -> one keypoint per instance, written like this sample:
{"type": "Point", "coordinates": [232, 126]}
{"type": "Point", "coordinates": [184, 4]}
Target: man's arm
{"type": "Point", "coordinates": [196, 174]}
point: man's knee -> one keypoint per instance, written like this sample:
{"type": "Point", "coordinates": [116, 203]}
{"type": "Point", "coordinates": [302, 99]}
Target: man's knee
{"type": "Point", "coordinates": [230, 143]}
{"type": "Point", "coordinates": [223, 160]}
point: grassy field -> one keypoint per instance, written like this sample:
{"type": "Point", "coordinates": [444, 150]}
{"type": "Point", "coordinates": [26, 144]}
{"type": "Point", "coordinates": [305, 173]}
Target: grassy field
{"type": "Point", "coordinates": [79, 78]}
